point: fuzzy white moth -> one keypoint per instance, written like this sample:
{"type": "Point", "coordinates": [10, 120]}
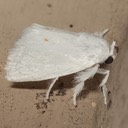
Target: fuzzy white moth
{"type": "Point", "coordinates": [47, 53]}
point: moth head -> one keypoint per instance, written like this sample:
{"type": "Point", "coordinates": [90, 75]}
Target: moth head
{"type": "Point", "coordinates": [112, 55]}
{"type": "Point", "coordinates": [109, 60]}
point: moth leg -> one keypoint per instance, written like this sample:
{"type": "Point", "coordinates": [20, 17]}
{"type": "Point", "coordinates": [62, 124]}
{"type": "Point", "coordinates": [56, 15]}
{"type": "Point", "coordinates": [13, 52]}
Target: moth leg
{"type": "Point", "coordinates": [101, 34]}
{"type": "Point", "coordinates": [78, 88]}
{"type": "Point", "coordinates": [50, 87]}
{"type": "Point", "coordinates": [80, 78]}
{"type": "Point", "coordinates": [103, 83]}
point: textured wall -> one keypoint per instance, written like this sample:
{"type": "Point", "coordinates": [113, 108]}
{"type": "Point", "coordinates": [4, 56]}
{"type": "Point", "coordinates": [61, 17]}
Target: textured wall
{"type": "Point", "coordinates": [20, 105]}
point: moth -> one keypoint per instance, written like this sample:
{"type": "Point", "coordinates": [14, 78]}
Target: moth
{"type": "Point", "coordinates": [44, 53]}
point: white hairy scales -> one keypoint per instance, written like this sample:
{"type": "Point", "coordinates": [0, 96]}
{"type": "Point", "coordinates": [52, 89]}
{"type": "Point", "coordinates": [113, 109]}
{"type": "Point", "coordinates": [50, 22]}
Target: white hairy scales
{"type": "Point", "coordinates": [44, 53]}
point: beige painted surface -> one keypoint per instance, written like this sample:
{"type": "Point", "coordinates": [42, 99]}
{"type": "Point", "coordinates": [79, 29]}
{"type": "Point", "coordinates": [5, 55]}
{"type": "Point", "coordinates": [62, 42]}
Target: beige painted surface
{"type": "Point", "coordinates": [20, 104]}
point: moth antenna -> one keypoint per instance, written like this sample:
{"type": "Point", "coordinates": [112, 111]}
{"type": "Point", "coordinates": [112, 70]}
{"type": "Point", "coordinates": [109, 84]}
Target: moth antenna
{"type": "Point", "coordinates": [105, 32]}
{"type": "Point", "coordinates": [101, 34]}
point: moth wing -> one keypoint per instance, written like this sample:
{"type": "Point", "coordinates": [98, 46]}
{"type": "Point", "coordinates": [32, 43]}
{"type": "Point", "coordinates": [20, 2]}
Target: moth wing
{"type": "Point", "coordinates": [44, 53]}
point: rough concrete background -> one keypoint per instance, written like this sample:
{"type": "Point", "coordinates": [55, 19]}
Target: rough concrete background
{"type": "Point", "coordinates": [21, 104]}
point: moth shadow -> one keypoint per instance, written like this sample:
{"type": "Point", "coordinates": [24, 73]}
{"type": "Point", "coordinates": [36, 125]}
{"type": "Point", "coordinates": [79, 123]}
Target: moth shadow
{"type": "Point", "coordinates": [91, 85]}
{"type": "Point", "coordinates": [30, 85]}
{"type": "Point", "coordinates": [65, 82]}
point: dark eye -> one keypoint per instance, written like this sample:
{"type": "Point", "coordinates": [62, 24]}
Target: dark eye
{"type": "Point", "coordinates": [109, 60]}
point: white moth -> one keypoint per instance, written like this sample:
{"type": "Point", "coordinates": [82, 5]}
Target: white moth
{"type": "Point", "coordinates": [47, 53]}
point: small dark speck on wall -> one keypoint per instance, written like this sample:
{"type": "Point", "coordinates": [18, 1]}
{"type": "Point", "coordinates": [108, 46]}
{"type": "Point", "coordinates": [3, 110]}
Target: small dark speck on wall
{"type": "Point", "coordinates": [49, 5]}
{"type": "Point", "coordinates": [71, 25]}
